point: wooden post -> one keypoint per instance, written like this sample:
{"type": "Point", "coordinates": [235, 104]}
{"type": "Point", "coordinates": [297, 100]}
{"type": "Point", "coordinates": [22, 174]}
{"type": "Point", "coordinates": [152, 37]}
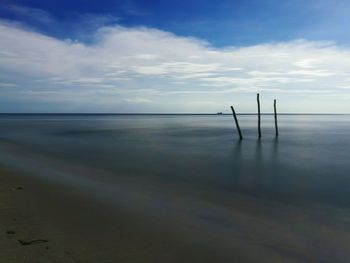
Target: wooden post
{"type": "Point", "coordinates": [276, 127]}
{"type": "Point", "coordinates": [237, 125]}
{"type": "Point", "coordinates": [259, 119]}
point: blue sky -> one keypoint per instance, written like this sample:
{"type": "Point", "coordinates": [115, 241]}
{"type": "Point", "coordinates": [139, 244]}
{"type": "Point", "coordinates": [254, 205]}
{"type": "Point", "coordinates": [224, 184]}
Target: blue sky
{"type": "Point", "coordinates": [129, 56]}
{"type": "Point", "coordinates": [222, 23]}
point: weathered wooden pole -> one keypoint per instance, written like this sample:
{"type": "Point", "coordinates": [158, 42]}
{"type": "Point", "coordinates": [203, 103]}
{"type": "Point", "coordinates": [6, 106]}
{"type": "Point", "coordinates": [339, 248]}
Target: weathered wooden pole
{"type": "Point", "coordinates": [237, 125]}
{"type": "Point", "coordinates": [259, 119]}
{"type": "Point", "coordinates": [274, 107]}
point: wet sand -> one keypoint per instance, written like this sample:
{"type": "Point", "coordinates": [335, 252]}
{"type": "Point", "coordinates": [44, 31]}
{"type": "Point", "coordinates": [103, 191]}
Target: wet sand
{"type": "Point", "coordinates": [81, 229]}
{"type": "Point", "coordinates": [77, 229]}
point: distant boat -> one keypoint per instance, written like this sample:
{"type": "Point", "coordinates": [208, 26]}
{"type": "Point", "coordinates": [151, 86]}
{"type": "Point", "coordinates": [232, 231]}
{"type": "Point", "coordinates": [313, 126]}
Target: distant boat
{"type": "Point", "coordinates": [219, 113]}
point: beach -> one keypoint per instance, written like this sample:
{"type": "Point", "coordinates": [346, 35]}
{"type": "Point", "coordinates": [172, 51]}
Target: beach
{"type": "Point", "coordinates": [111, 189]}
{"type": "Point", "coordinates": [79, 230]}
{"type": "Point", "coordinates": [83, 230]}
{"type": "Point", "coordinates": [139, 131]}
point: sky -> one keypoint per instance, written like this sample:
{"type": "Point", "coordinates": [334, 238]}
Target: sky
{"type": "Point", "coordinates": [138, 56]}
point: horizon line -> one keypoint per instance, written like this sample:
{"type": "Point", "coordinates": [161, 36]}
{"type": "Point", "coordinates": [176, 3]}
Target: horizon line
{"type": "Point", "coordinates": [154, 113]}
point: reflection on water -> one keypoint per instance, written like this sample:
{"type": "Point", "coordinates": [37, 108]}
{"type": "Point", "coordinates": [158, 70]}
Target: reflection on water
{"type": "Point", "coordinates": [194, 171]}
{"type": "Point", "coordinates": [308, 160]}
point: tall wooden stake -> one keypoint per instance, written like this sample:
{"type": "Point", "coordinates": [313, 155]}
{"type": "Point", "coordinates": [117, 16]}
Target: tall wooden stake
{"type": "Point", "coordinates": [276, 127]}
{"type": "Point", "coordinates": [259, 129]}
{"type": "Point", "coordinates": [237, 125]}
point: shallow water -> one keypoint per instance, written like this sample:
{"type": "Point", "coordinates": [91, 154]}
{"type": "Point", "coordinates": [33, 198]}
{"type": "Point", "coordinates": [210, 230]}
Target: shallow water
{"type": "Point", "coordinates": [192, 169]}
{"type": "Point", "coordinates": [308, 160]}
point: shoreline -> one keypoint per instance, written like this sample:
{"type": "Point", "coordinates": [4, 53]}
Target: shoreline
{"type": "Point", "coordinates": [77, 230]}
{"type": "Point", "coordinates": [23, 218]}
{"type": "Point", "coordinates": [85, 216]}
{"type": "Point", "coordinates": [72, 227]}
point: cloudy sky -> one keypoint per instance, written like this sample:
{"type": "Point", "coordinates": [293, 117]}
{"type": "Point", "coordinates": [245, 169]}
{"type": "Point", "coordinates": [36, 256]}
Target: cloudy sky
{"type": "Point", "coordinates": [174, 56]}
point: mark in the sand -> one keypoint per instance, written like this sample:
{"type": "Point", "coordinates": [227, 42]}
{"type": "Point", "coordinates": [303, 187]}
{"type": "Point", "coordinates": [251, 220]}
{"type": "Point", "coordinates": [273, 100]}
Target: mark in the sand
{"type": "Point", "coordinates": [32, 242]}
{"type": "Point", "coordinates": [10, 232]}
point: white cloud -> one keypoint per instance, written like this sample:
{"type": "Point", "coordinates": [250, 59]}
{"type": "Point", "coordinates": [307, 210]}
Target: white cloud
{"type": "Point", "coordinates": [147, 66]}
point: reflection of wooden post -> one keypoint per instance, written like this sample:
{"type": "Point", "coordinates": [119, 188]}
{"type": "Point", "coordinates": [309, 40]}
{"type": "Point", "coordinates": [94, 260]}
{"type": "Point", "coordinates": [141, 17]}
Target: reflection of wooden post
{"type": "Point", "coordinates": [259, 130]}
{"type": "Point", "coordinates": [276, 127]}
{"type": "Point", "coordinates": [237, 125]}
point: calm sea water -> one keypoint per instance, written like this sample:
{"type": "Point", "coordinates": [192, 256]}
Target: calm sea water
{"type": "Point", "coordinates": [194, 168]}
{"type": "Point", "coordinates": [310, 159]}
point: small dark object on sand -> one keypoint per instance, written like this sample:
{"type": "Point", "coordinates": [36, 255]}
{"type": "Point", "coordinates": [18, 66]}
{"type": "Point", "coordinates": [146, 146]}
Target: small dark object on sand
{"type": "Point", "coordinates": [36, 241]}
{"type": "Point", "coordinates": [10, 232]}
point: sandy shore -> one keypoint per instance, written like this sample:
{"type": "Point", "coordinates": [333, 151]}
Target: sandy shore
{"type": "Point", "coordinates": [67, 225]}
{"type": "Point", "coordinates": [71, 229]}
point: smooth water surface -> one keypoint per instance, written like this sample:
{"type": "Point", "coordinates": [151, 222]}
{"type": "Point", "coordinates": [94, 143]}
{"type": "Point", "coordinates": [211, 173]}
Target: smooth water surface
{"type": "Point", "coordinates": [192, 173]}
{"type": "Point", "coordinates": [310, 158]}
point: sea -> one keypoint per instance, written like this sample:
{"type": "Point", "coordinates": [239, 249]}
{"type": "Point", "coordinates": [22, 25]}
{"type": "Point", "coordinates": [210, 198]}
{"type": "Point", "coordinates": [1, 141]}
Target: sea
{"type": "Point", "coordinates": [192, 173]}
